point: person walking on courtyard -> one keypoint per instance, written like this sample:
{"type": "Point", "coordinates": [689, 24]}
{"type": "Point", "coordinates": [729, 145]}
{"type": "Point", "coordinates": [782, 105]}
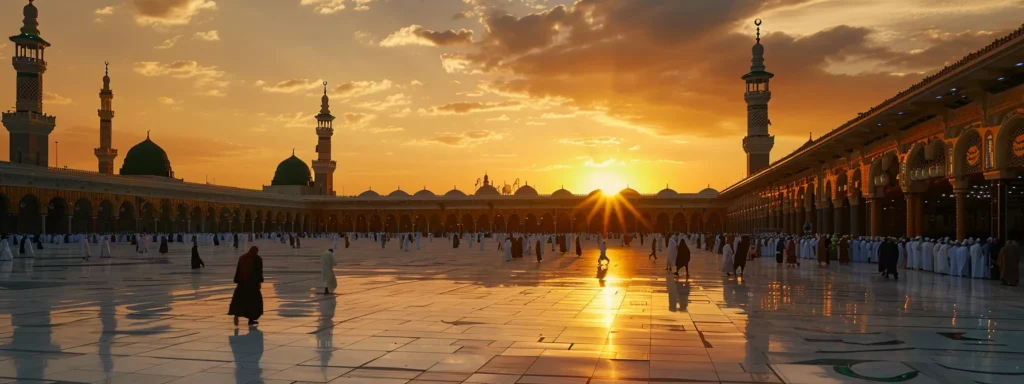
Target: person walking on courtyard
{"type": "Point", "coordinates": [327, 271]}
{"type": "Point", "coordinates": [791, 253]}
{"type": "Point", "coordinates": [537, 250]}
{"type": "Point", "coordinates": [888, 258]}
{"type": "Point", "coordinates": [5, 250]}
{"type": "Point", "coordinates": [654, 251]}
{"type": "Point", "coordinates": [579, 248]}
{"type": "Point", "coordinates": [196, 261]}
{"type": "Point", "coordinates": [86, 252]}
{"type": "Point", "coordinates": [163, 245]}
{"type": "Point", "coordinates": [682, 257]}
{"type": "Point", "coordinates": [727, 260]}
{"type": "Point", "coordinates": [247, 301]}
{"type": "Point", "coordinates": [1009, 258]}
{"type": "Point", "coordinates": [740, 260]}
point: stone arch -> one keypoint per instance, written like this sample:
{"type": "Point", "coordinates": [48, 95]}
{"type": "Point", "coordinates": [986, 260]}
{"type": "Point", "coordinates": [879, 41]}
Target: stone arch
{"type": "Point", "coordinates": [662, 224]}
{"type": "Point", "coordinates": [579, 222]}
{"type": "Point", "coordinates": [197, 219]}
{"type": "Point", "coordinates": [361, 224]}
{"type": "Point", "coordinates": [714, 222]}
{"type": "Point", "coordinates": [547, 223]}
{"type": "Point", "coordinates": [513, 224]}
{"type": "Point", "coordinates": [210, 220]}
{"type": "Point", "coordinates": [333, 223]}
{"type": "Point", "coordinates": [30, 218]}
{"type": "Point", "coordinates": [181, 218]}
{"type": "Point", "coordinates": [105, 217]}
{"type": "Point", "coordinates": [483, 224]}
{"type": "Point", "coordinates": [468, 223]}
{"type": "Point", "coordinates": [697, 222]}
{"type": "Point", "coordinates": [147, 217]}
{"type": "Point", "coordinates": [451, 224]}
{"type": "Point", "coordinates": [247, 220]}
{"type": "Point", "coordinates": [126, 217]}
{"type": "Point", "coordinates": [883, 173]}
{"type": "Point", "coordinates": [346, 224]}
{"type": "Point", "coordinates": [81, 221]}
{"type": "Point", "coordinates": [224, 220]}
{"type": "Point", "coordinates": [530, 224]}
{"type": "Point", "coordinates": [390, 224]}
{"type": "Point", "coordinates": [968, 154]}
{"type": "Point", "coordinates": [1009, 143]}
{"type": "Point", "coordinates": [420, 224]}
{"type": "Point", "coordinates": [57, 216]}
{"type": "Point", "coordinates": [564, 224]}
{"type": "Point", "coordinates": [166, 212]}
{"type": "Point", "coordinates": [679, 222]}
{"type": "Point", "coordinates": [376, 225]}
{"type": "Point", "coordinates": [236, 220]}
{"type": "Point", "coordinates": [499, 224]}
{"type": "Point", "coordinates": [434, 225]}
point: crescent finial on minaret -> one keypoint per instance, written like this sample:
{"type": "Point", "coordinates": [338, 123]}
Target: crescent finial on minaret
{"type": "Point", "coordinates": [757, 22]}
{"type": "Point", "coordinates": [325, 88]}
{"type": "Point", "coordinates": [106, 68]}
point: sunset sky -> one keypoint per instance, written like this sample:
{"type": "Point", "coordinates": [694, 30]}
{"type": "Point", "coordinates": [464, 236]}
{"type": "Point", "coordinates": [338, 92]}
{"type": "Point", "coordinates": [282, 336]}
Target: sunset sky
{"type": "Point", "coordinates": [585, 94]}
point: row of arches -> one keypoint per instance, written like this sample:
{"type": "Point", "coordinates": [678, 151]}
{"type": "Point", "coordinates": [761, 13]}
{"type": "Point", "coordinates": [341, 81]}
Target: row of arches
{"type": "Point", "coordinates": [958, 188]}
{"type": "Point", "coordinates": [544, 223]}
{"type": "Point", "coordinates": [62, 216]}
{"type": "Point", "coordinates": [32, 215]}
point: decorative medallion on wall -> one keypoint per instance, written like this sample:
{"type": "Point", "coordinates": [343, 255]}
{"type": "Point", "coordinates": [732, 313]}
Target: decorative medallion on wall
{"type": "Point", "coordinates": [973, 155]}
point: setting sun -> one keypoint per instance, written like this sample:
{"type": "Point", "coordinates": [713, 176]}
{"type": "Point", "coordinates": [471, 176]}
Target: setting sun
{"type": "Point", "coordinates": [608, 182]}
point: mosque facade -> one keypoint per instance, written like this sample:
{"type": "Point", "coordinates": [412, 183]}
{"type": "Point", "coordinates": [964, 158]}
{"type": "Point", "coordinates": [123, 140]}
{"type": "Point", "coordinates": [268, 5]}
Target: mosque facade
{"type": "Point", "coordinates": [144, 196]}
{"type": "Point", "coordinates": [942, 158]}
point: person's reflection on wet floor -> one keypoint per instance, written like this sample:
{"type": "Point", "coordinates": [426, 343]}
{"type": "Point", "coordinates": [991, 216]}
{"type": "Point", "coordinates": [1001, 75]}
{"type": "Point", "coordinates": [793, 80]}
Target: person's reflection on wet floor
{"type": "Point", "coordinates": [678, 294]}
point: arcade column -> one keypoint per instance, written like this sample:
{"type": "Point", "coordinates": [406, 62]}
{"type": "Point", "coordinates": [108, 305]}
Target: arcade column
{"type": "Point", "coordinates": [856, 217]}
{"type": "Point", "coordinates": [876, 217]}
{"type": "Point", "coordinates": [913, 214]}
{"type": "Point", "coordinates": [999, 200]}
{"type": "Point", "coordinates": [961, 212]}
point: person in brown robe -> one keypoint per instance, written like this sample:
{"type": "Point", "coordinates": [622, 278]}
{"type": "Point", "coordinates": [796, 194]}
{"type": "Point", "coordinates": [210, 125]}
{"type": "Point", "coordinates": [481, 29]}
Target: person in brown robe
{"type": "Point", "coordinates": [791, 253]}
{"type": "Point", "coordinates": [1009, 258]}
{"type": "Point", "coordinates": [740, 260]}
{"type": "Point", "coordinates": [844, 250]}
{"type": "Point", "coordinates": [822, 250]}
{"type": "Point", "coordinates": [247, 301]}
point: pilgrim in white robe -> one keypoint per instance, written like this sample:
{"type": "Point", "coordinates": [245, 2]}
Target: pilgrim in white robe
{"type": "Point", "coordinates": [727, 259]}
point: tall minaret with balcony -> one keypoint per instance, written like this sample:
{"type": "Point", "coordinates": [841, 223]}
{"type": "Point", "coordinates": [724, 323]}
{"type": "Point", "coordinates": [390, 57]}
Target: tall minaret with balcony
{"type": "Point", "coordinates": [105, 154]}
{"type": "Point", "coordinates": [758, 143]}
{"type": "Point", "coordinates": [29, 127]}
{"type": "Point", "coordinates": [323, 166]}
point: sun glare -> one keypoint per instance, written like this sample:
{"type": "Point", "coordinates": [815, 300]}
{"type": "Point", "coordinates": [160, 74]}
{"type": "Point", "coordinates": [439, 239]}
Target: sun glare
{"type": "Point", "coordinates": [609, 183]}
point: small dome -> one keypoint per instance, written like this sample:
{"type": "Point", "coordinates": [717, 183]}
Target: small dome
{"type": "Point", "coordinates": [629, 192]}
{"type": "Point", "coordinates": [526, 190]}
{"type": "Point", "coordinates": [146, 159]}
{"type": "Point", "coordinates": [455, 193]}
{"type": "Point", "coordinates": [424, 193]}
{"type": "Point", "coordinates": [595, 192]}
{"type": "Point", "coordinates": [292, 171]}
{"type": "Point", "coordinates": [398, 193]}
{"type": "Point", "coordinates": [668, 192]}
{"type": "Point", "coordinates": [487, 190]}
{"type": "Point", "coordinates": [561, 193]}
{"type": "Point", "coordinates": [369, 193]}
{"type": "Point", "coordinates": [708, 192]}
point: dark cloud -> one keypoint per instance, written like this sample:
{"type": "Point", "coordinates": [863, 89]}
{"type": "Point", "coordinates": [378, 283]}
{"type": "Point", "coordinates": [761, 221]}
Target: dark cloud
{"type": "Point", "coordinates": [418, 35]}
{"type": "Point", "coordinates": [661, 66]}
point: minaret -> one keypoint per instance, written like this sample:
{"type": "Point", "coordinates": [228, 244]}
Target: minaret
{"type": "Point", "coordinates": [105, 153]}
{"type": "Point", "coordinates": [758, 143]}
{"type": "Point", "coordinates": [29, 127]}
{"type": "Point", "coordinates": [323, 166]}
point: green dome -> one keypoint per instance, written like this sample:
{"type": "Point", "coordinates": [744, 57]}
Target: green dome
{"type": "Point", "coordinates": [147, 159]}
{"type": "Point", "coordinates": [292, 171]}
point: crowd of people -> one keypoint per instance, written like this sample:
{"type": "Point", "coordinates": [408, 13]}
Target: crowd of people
{"type": "Point", "coordinates": [974, 258]}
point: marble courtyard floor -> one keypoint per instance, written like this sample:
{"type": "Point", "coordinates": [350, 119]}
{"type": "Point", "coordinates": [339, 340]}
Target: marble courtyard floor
{"type": "Point", "coordinates": [445, 315]}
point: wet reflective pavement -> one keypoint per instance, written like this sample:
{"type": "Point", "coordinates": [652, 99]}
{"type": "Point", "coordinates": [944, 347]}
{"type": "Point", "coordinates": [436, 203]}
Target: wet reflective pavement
{"type": "Point", "coordinates": [444, 315]}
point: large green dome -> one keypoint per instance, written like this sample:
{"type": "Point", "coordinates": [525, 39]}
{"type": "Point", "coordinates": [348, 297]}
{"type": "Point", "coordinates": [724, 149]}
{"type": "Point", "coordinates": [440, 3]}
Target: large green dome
{"type": "Point", "coordinates": [292, 171]}
{"type": "Point", "coordinates": [147, 159]}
